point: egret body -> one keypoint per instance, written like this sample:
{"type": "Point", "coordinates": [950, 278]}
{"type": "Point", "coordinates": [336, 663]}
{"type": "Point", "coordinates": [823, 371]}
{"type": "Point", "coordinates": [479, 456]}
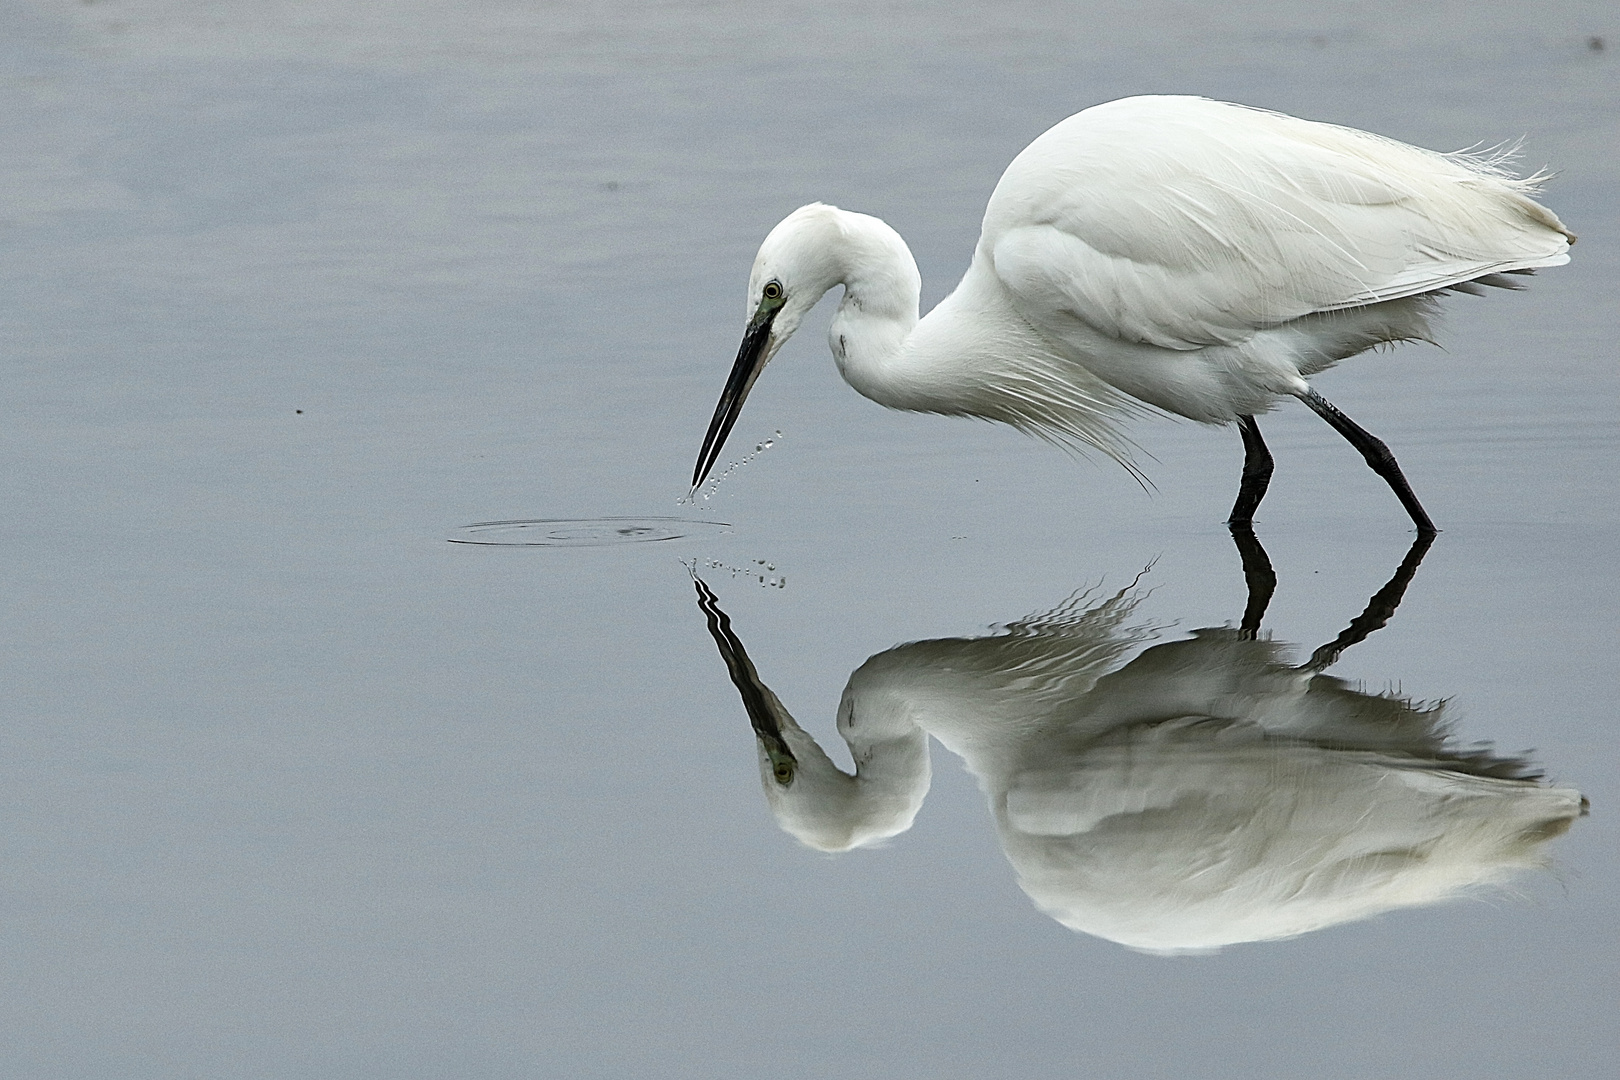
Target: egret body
{"type": "Point", "coordinates": [1156, 253]}
{"type": "Point", "coordinates": [1173, 797]}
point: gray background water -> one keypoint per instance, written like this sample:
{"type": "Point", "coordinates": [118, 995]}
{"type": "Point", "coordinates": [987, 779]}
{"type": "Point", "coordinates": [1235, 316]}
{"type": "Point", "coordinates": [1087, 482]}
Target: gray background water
{"type": "Point", "coordinates": [294, 788]}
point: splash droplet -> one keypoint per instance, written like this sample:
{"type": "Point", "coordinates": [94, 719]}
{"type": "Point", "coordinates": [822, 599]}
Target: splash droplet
{"type": "Point", "coordinates": [712, 486]}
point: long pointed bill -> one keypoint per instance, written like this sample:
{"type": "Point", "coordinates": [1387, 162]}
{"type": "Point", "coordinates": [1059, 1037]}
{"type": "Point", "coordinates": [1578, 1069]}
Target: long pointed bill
{"type": "Point", "coordinates": [750, 362]}
{"type": "Point", "coordinates": [756, 698]}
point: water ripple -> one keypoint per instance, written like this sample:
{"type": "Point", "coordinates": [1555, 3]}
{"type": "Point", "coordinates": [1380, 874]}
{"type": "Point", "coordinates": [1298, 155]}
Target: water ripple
{"type": "Point", "coordinates": [583, 532]}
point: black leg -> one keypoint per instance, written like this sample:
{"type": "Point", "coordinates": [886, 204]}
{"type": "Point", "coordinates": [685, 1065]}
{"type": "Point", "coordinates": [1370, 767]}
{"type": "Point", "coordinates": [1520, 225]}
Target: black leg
{"type": "Point", "coordinates": [1377, 454]}
{"type": "Point", "coordinates": [1256, 473]}
{"type": "Point", "coordinates": [1258, 574]}
{"type": "Point", "coordinates": [1380, 609]}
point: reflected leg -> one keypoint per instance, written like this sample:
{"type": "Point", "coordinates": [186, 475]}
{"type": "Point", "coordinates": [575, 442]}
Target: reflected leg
{"type": "Point", "coordinates": [1256, 473]}
{"type": "Point", "coordinates": [1257, 572]}
{"type": "Point", "coordinates": [1380, 609]}
{"type": "Point", "coordinates": [1377, 454]}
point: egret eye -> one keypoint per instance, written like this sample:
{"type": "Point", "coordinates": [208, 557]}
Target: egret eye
{"type": "Point", "coordinates": [773, 290]}
{"type": "Point", "coordinates": [783, 773]}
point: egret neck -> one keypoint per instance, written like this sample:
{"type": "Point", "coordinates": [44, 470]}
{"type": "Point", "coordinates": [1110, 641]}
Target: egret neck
{"type": "Point", "coordinates": [1159, 253]}
{"type": "Point", "coordinates": [812, 250]}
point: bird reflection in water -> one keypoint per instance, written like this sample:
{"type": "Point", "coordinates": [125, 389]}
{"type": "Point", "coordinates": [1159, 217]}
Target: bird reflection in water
{"type": "Point", "coordinates": [1196, 794]}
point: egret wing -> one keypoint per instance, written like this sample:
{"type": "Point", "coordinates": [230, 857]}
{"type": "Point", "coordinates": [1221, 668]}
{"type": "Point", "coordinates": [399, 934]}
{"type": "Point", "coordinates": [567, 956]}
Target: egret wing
{"type": "Point", "coordinates": [1183, 223]}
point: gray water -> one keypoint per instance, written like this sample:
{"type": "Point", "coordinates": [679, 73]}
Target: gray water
{"type": "Point", "coordinates": [295, 787]}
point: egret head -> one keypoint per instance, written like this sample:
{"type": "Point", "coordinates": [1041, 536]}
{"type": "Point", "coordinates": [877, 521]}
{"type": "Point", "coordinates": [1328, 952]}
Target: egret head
{"type": "Point", "coordinates": [810, 797]}
{"type": "Point", "coordinates": [824, 807]}
{"type": "Point", "coordinates": [796, 265]}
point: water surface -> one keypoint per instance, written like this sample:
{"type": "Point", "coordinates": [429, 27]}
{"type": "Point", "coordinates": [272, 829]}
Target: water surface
{"type": "Point", "coordinates": [294, 787]}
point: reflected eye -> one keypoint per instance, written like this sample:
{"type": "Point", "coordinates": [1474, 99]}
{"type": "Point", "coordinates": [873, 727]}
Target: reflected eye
{"type": "Point", "coordinates": [773, 290]}
{"type": "Point", "coordinates": [783, 773]}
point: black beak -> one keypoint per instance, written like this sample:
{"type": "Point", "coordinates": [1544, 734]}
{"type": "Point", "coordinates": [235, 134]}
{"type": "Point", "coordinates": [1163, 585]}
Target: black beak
{"type": "Point", "coordinates": [767, 729]}
{"type": "Point", "coordinates": [750, 361]}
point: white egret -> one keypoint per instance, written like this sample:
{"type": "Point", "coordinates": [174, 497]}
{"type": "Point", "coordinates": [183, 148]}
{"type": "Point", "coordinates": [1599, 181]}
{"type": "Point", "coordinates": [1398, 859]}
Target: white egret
{"type": "Point", "coordinates": [1200, 793]}
{"type": "Point", "coordinates": [1170, 253]}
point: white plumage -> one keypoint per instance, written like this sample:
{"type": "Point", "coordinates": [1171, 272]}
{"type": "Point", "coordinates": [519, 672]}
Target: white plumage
{"type": "Point", "coordinates": [1194, 256]}
{"type": "Point", "coordinates": [1196, 794]}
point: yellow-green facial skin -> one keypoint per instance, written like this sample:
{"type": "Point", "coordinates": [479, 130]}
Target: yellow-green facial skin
{"type": "Point", "coordinates": [772, 297]}
{"type": "Point", "coordinates": [782, 770]}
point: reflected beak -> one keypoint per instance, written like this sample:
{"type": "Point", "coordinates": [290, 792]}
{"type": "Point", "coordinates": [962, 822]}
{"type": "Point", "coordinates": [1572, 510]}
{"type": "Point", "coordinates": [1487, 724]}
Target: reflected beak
{"type": "Point", "coordinates": [756, 697]}
{"type": "Point", "coordinates": [750, 362]}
